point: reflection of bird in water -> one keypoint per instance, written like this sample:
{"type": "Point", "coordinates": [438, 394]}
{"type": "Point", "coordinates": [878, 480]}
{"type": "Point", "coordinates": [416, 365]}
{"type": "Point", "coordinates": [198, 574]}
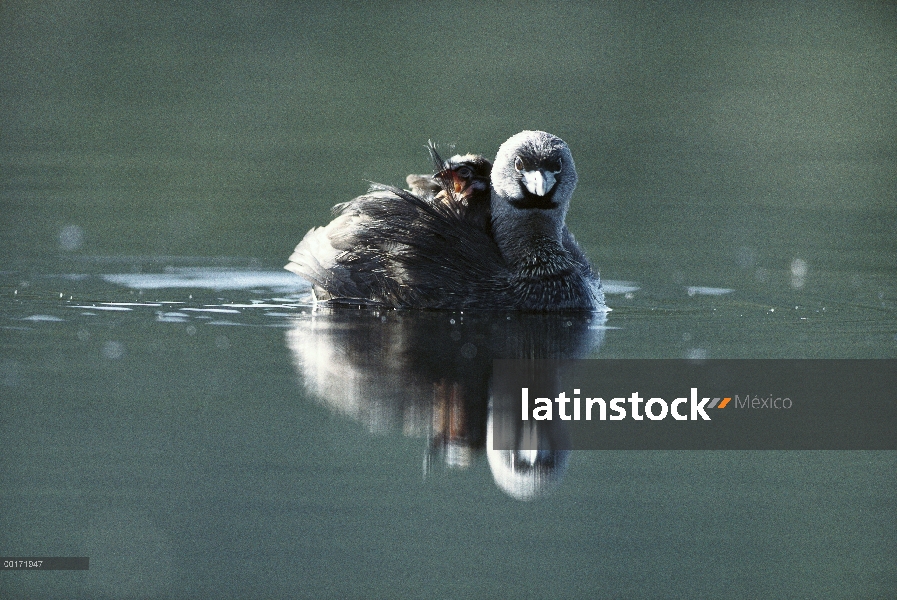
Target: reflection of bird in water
{"type": "Point", "coordinates": [398, 249]}
{"type": "Point", "coordinates": [450, 434]}
{"type": "Point", "coordinates": [526, 474]}
{"type": "Point", "coordinates": [429, 373]}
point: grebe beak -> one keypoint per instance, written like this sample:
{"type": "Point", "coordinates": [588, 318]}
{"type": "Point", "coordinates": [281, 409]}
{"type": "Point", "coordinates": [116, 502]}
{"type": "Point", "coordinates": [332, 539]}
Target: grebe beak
{"type": "Point", "coordinates": [538, 182]}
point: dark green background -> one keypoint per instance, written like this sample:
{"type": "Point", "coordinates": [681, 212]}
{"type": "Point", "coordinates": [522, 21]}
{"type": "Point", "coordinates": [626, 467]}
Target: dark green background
{"type": "Point", "coordinates": [741, 145]}
{"type": "Point", "coordinates": [706, 135]}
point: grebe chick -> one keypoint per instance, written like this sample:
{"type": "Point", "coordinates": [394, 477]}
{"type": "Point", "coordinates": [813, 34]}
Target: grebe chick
{"type": "Point", "coordinates": [461, 183]}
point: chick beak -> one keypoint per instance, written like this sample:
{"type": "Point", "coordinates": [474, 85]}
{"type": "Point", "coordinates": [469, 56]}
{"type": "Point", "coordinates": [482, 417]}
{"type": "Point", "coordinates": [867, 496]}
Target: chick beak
{"type": "Point", "coordinates": [538, 182]}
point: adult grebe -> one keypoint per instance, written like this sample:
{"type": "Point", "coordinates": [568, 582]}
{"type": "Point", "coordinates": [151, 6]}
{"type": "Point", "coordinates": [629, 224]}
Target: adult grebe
{"type": "Point", "coordinates": [398, 249]}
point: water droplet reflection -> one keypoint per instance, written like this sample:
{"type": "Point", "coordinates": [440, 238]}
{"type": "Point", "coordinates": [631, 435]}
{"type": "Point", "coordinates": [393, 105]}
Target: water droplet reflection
{"type": "Point", "coordinates": [71, 238]}
{"type": "Point", "coordinates": [113, 350]}
{"type": "Point", "coordinates": [799, 270]}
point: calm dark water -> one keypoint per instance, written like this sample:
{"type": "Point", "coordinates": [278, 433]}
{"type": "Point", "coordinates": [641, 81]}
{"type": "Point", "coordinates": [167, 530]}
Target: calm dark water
{"type": "Point", "coordinates": [172, 406]}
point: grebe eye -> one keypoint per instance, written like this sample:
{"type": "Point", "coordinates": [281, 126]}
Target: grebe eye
{"type": "Point", "coordinates": [518, 163]}
{"type": "Point", "coordinates": [464, 172]}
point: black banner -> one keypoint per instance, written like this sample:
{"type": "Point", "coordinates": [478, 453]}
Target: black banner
{"type": "Point", "coordinates": [44, 563]}
{"type": "Point", "coordinates": [694, 405]}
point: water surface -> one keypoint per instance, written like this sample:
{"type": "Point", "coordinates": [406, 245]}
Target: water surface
{"type": "Point", "coordinates": [172, 406]}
